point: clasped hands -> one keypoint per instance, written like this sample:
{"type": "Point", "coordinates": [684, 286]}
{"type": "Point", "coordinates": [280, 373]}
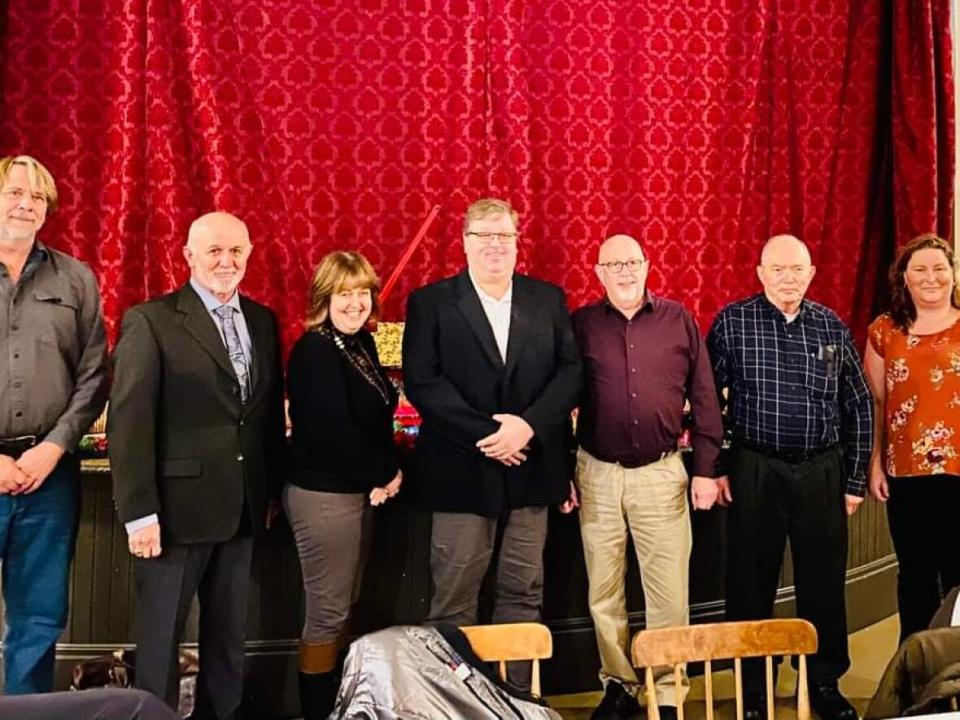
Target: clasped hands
{"type": "Point", "coordinates": [509, 443]}
{"type": "Point", "coordinates": [27, 473]}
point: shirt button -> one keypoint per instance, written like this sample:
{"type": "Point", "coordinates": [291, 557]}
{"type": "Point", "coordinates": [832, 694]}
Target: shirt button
{"type": "Point", "coordinates": [17, 384]}
{"type": "Point", "coordinates": [241, 423]}
{"type": "Point", "coordinates": [16, 356]}
{"type": "Point", "coordinates": [14, 327]}
{"type": "Point", "coordinates": [633, 394]}
{"type": "Point", "coordinates": [633, 370]}
{"type": "Point", "coordinates": [636, 422]}
{"type": "Point", "coordinates": [19, 414]}
{"type": "Point", "coordinates": [239, 458]}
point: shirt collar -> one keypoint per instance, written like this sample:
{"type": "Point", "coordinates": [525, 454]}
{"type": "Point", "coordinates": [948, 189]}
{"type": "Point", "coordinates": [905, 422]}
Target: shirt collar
{"type": "Point", "coordinates": [210, 301]}
{"type": "Point", "coordinates": [38, 254]}
{"type": "Point", "coordinates": [777, 312]}
{"type": "Point", "coordinates": [39, 250]}
{"type": "Point", "coordinates": [486, 297]}
{"type": "Point", "coordinates": [649, 305]}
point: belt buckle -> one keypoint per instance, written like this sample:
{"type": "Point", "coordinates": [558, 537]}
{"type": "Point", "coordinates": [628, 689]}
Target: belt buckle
{"type": "Point", "coordinates": [20, 443]}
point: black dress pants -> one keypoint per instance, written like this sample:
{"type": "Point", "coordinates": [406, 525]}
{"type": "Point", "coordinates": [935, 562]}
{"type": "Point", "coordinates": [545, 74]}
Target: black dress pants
{"type": "Point", "coordinates": [923, 515]}
{"type": "Point", "coordinates": [774, 500]}
{"type": "Point", "coordinates": [219, 574]}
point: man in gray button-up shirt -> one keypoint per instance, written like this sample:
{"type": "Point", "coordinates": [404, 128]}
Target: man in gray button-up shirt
{"type": "Point", "coordinates": [53, 385]}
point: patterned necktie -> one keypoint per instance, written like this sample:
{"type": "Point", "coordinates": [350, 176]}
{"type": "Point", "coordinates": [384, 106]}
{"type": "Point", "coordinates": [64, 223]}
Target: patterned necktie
{"type": "Point", "coordinates": [235, 349]}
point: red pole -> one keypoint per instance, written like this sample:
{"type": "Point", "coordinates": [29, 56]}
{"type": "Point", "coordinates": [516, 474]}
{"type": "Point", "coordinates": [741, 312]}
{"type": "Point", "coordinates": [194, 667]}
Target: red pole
{"type": "Point", "coordinates": [395, 275]}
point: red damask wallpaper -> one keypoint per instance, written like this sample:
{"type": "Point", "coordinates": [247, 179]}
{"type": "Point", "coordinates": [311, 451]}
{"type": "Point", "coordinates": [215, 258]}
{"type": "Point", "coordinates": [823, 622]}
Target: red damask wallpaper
{"type": "Point", "coordinates": [699, 127]}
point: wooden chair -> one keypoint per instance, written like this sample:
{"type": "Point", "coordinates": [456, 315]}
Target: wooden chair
{"type": "Point", "coordinates": [512, 641]}
{"type": "Point", "coordinates": [736, 640]}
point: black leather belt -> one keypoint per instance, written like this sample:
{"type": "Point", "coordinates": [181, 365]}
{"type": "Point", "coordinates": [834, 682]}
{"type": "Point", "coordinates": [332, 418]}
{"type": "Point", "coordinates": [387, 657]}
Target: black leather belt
{"type": "Point", "coordinates": [787, 456]}
{"type": "Point", "coordinates": [17, 446]}
{"type": "Point", "coordinates": [633, 464]}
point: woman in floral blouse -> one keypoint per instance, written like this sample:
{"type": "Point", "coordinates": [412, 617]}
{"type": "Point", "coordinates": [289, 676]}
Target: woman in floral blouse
{"type": "Point", "coordinates": [913, 365]}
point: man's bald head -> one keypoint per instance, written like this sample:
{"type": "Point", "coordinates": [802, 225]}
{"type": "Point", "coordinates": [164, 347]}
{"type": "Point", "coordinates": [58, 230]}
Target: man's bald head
{"type": "Point", "coordinates": [622, 268]}
{"type": "Point", "coordinates": [218, 247]}
{"type": "Point", "coordinates": [779, 245]}
{"type": "Point", "coordinates": [617, 245]}
{"type": "Point", "coordinates": [217, 223]}
{"type": "Point", "coordinates": [785, 271]}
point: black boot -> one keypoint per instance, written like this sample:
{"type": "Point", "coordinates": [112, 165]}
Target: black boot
{"type": "Point", "coordinates": [318, 692]}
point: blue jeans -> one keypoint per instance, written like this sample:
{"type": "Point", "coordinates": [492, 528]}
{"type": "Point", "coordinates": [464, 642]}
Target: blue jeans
{"type": "Point", "coordinates": [37, 534]}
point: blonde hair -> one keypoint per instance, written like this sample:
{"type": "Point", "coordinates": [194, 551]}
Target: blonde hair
{"type": "Point", "coordinates": [338, 271]}
{"type": "Point", "coordinates": [40, 178]}
{"type": "Point", "coordinates": [489, 206]}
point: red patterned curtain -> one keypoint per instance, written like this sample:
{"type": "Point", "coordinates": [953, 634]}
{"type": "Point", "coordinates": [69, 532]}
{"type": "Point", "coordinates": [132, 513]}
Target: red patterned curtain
{"type": "Point", "coordinates": [699, 127]}
{"type": "Point", "coordinates": [922, 118]}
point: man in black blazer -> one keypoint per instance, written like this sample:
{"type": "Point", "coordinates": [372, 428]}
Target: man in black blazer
{"type": "Point", "coordinates": [490, 363]}
{"type": "Point", "coordinates": [196, 435]}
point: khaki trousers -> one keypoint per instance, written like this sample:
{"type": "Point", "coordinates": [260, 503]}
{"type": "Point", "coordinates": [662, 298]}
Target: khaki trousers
{"type": "Point", "coordinates": [650, 502]}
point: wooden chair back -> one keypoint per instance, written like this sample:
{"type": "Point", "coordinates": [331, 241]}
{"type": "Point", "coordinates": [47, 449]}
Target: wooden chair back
{"type": "Point", "coordinates": [512, 641]}
{"type": "Point", "coordinates": [733, 640]}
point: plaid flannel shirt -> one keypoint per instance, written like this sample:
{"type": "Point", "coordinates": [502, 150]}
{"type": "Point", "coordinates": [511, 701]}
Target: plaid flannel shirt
{"type": "Point", "coordinates": [793, 387]}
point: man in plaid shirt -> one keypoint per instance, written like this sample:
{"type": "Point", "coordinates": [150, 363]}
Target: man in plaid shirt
{"type": "Point", "coordinates": [801, 418]}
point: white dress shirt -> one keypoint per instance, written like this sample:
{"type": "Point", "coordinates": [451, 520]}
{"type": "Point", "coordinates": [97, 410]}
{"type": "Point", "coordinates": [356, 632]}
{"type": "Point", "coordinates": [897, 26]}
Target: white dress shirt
{"type": "Point", "coordinates": [498, 314]}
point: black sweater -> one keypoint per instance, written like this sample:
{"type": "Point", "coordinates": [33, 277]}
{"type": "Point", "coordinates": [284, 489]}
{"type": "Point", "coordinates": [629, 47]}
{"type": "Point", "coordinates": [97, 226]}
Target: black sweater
{"type": "Point", "coordinates": [342, 428]}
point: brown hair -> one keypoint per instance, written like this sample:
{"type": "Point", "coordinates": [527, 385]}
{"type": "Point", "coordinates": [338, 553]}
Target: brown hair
{"type": "Point", "coordinates": [489, 206]}
{"type": "Point", "coordinates": [338, 271]}
{"type": "Point", "coordinates": [40, 178]}
{"type": "Point", "coordinates": [902, 309]}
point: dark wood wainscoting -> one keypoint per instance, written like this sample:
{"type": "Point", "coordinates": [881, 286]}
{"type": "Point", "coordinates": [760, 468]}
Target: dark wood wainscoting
{"type": "Point", "coordinates": [396, 591]}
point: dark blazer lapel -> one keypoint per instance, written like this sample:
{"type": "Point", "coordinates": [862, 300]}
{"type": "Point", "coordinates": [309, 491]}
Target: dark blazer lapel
{"type": "Point", "coordinates": [472, 311]}
{"type": "Point", "coordinates": [260, 338]}
{"type": "Point", "coordinates": [522, 318]}
{"type": "Point", "coordinates": [198, 323]}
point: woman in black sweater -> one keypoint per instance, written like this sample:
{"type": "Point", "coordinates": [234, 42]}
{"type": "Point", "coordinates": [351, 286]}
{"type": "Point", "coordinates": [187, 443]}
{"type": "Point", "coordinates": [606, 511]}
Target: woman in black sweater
{"type": "Point", "coordinates": [343, 460]}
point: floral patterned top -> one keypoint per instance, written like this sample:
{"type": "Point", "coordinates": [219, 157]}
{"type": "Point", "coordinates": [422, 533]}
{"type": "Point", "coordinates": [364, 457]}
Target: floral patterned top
{"type": "Point", "coordinates": [922, 409]}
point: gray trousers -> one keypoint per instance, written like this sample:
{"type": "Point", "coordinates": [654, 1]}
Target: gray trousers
{"type": "Point", "coordinates": [332, 532]}
{"type": "Point", "coordinates": [219, 574]}
{"type": "Point", "coordinates": [461, 548]}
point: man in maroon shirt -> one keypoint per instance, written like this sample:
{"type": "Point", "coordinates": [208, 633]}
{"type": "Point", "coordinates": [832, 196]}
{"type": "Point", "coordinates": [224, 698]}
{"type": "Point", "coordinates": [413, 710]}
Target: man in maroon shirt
{"type": "Point", "coordinates": [643, 358]}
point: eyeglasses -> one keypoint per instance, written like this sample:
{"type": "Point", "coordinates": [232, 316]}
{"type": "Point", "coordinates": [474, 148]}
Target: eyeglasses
{"type": "Point", "coordinates": [485, 238]}
{"type": "Point", "coordinates": [616, 266]}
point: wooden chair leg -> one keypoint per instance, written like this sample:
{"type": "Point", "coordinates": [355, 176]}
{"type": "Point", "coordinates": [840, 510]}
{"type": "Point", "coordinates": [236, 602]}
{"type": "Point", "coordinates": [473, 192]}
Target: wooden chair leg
{"type": "Point", "coordinates": [770, 688]}
{"type": "Point", "coordinates": [803, 695]}
{"type": "Point", "coordinates": [708, 684]}
{"type": "Point", "coordinates": [678, 690]}
{"type": "Point", "coordinates": [653, 712]}
{"type": "Point", "coordinates": [535, 679]}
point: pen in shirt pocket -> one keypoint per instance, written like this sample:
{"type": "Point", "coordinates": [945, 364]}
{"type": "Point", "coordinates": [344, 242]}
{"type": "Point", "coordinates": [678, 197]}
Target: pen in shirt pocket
{"type": "Point", "coordinates": [828, 354]}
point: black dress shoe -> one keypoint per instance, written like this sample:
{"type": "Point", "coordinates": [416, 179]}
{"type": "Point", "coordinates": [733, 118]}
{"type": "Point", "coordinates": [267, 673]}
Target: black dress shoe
{"type": "Point", "coordinates": [829, 704]}
{"type": "Point", "coordinates": [754, 706]}
{"type": "Point", "coordinates": [617, 704]}
{"type": "Point", "coordinates": [667, 712]}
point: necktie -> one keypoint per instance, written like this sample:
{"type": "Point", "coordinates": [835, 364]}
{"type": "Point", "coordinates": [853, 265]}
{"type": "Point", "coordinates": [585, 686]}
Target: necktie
{"type": "Point", "coordinates": [234, 349]}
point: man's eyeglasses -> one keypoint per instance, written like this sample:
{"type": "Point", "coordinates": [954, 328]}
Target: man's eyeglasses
{"type": "Point", "coordinates": [617, 265]}
{"type": "Point", "coordinates": [485, 238]}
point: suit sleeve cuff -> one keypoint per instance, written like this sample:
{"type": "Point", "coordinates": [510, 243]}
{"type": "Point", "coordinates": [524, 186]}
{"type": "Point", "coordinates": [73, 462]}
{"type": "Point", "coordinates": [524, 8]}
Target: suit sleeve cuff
{"type": "Point", "coordinates": [141, 523]}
